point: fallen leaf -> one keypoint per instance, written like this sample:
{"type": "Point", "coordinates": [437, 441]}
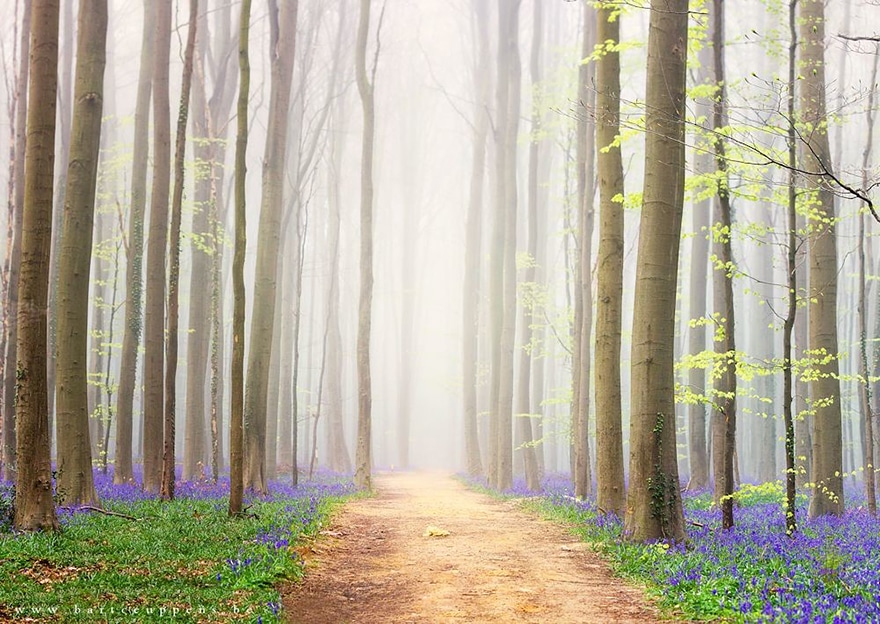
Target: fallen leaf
{"type": "Point", "coordinates": [433, 531]}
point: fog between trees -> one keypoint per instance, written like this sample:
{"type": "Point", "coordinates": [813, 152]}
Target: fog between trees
{"type": "Point", "coordinates": [487, 188]}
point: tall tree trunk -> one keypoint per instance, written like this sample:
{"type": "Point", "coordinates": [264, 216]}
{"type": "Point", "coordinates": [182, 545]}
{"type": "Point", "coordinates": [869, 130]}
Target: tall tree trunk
{"type": "Point", "coordinates": [65, 117]}
{"type": "Point", "coordinates": [698, 448]}
{"type": "Point", "coordinates": [283, 41]}
{"type": "Point", "coordinates": [171, 337]}
{"type": "Point", "coordinates": [724, 401]}
{"type": "Point", "coordinates": [366, 88]}
{"type": "Point", "coordinates": [198, 339]}
{"type": "Point", "coordinates": [471, 283]}
{"type": "Point", "coordinates": [236, 408]}
{"type": "Point", "coordinates": [75, 480]}
{"type": "Point", "coordinates": [17, 198]}
{"type": "Point", "coordinates": [34, 507]}
{"type": "Point", "coordinates": [865, 386]}
{"type": "Point", "coordinates": [816, 158]}
{"type": "Point", "coordinates": [611, 493]}
{"type": "Point", "coordinates": [339, 458]}
{"type": "Point", "coordinates": [788, 383]}
{"type": "Point", "coordinates": [524, 415]}
{"type": "Point", "coordinates": [123, 470]}
{"type": "Point", "coordinates": [581, 368]}
{"type": "Point", "coordinates": [654, 509]}
{"type": "Point", "coordinates": [157, 242]}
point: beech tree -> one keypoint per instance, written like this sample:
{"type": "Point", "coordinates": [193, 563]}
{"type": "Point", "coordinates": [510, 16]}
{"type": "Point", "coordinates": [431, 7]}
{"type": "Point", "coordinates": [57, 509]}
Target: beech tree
{"type": "Point", "coordinates": [75, 480]}
{"type": "Point", "coordinates": [282, 22]}
{"type": "Point", "coordinates": [34, 506]}
{"type": "Point", "coordinates": [16, 199]}
{"type": "Point", "coordinates": [653, 506]}
{"type": "Point", "coordinates": [366, 88]}
{"type": "Point", "coordinates": [236, 383]}
{"type": "Point", "coordinates": [157, 245]}
{"type": "Point", "coordinates": [123, 470]}
{"type": "Point", "coordinates": [610, 493]}
{"type": "Point", "coordinates": [816, 159]}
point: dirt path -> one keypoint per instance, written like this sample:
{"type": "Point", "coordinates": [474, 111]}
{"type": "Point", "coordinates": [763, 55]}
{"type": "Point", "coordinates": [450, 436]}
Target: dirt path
{"type": "Point", "coordinates": [498, 564]}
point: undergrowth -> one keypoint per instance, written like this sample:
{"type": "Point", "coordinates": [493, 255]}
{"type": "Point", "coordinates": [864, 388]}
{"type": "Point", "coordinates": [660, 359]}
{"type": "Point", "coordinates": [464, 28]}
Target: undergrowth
{"type": "Point", "coordinates": [179, 561]}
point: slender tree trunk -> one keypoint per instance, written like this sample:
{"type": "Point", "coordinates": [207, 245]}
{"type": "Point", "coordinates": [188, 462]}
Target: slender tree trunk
{"type": "Point", "coordinates": [123, 470]}
{"type": "Point", "coordinates": [724, 402]}
{"type": "Point", "coordinates": [788, 382]}
{"type": "Point", "coordinates": [654, 509]}
{"type": "Point", "coordinates": [199, 334]}
{"type": "Point", "coordinates": [583, 478]}
{"type": "Point", "coordinates": [366, 88]}
{"type": "Point", "coordinates": [825, 387]}
{"type": "Point", "coordinates": [471, 283]}
{"type": "Point", "coordinates": [75, 480]}
{"type": "Point", "coordinates": [65, 117]}
{"type": "Point", "coordinates": [157, 242]}
{"type": "Point", "coordinates": [34, 507]}
{"type": "Point", "coordinates": [865, 386]}
{"type": "Point", "coordinates": [524, 415]}
{"type": "Point", "coordinates": [698, 448]}
{"type": "Point", "coordinates": [283, 28]}
{"type": "Point", "coordinates": [236, 411]}
{"type": "Point", "coordinates": [171, 337]}
{"type": "Point", "coordinates": [12, 287]}
{"type": "Point", "coordinates": [611, 493]}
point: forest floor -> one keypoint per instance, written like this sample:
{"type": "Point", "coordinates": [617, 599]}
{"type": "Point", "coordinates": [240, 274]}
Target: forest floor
{"type": "Point", "coordinates": [385, 559]}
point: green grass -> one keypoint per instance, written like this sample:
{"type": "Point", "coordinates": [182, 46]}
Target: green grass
{"type": "Point", "coordinates": [183, 561]}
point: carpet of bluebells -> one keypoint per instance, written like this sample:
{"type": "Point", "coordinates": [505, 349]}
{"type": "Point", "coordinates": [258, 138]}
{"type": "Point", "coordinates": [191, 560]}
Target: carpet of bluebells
{"type": "Point", "coordinates": [180, 561]}
{"type": "Point", "coordinates": [828, 572]}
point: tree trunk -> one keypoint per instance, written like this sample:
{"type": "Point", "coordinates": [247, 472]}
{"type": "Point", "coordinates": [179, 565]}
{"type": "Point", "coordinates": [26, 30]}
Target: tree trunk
{"type": "Point", "coordinates": [724, 394]}
{"type": "Point", "coordinates": [75, 480]}
{"type": "Point", "coordinates": [816, 158]}
{"type": "Point", "coordinates": [611, 495]}
{"type": "Point", "coordinates": [34, 507]}
{"type": "Point", "coordinates": [199, 335]}
{"type": "Point", "coordinates": [283, 28]}
{"type": "Point", "coordinates": [339, 457]}
{"type": "Point", "coordinates": [236, 408]}
{"type": "Point", "coordinates": [865, 385]}
{"type": "Point", "coordinates": [17, 198]}
{"type": "Point", "coordinates": [65, 117]}
{"type": "Point", "coordinates": [366, 88]}
{"type": "Point", "coordinates": [471, 283]}
{"type": "Point", "coordinates": [524, 415]}
{"type": "Point", "coordinates": [654, 509]}
{"type": "Point", "coordinates": [583, 478]}
{"type": "Point", "coordinates": [171, 337]}
{"type": "Point", "coordinates": [123, 470]}
{"type": "Point", "coordinates": [157, 242]}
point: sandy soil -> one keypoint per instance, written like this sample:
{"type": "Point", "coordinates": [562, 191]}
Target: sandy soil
{"type": "Point", "coordinates": [377, 564]}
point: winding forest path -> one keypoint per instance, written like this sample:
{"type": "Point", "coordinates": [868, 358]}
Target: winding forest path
{"type": "Point", "coordinates": [375, 564]}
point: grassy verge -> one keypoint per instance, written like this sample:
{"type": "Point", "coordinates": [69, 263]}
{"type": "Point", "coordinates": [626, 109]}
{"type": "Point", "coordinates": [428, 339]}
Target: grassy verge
{"type": "Point", "coordinates": [827, 572]}
{"type": "Point", "coordinates": [180, 561]}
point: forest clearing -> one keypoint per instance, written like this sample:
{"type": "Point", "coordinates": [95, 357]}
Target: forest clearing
{"type": "Point", "coordinates": [272, 270]}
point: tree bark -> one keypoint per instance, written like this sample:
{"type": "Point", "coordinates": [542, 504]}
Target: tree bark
{"type": "Point", "coordinates": [17, 212]}
{"type": "Point", "coordinates": [75, 481]}
{"type": "Point", "coordinates": [581, 368]}
{"type": "Point", "coordinates": [34, 507]}
{"type": "Point", "coordinates": [123, 470]}
{"type": "Point", "coordinates": [171, 337]}
{"type": "Point", "coordinates": [816, 158]}
{"type": "Point", "coordinates": [236, 408]}
{"type": "Point", "coordinates": [611, 493]}
{"type": "Point", "coordinates": [283, 27]}
{"type": "Point", "coordinates": [157, 242]}
{"type": "Point", "coordinates": [654, 508]}
{"type": "Point", "coordinates": [471, 283]}
{"type": "Point", "coordinates": [366, 88]}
